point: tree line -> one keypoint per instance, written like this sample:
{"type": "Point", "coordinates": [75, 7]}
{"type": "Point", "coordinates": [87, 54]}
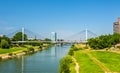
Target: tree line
{"type": "Point", "coordinates": [104, 41]}
{"type": "Point", "coordinates": [6, 42]}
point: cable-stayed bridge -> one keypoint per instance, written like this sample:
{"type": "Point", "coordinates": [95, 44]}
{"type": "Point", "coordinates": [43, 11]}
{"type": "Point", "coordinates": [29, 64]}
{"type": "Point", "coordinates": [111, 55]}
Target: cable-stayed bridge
{"type": "Point", "coordinates": [30, 34]}
{"type": "Point", "coordinates": [80, 37]}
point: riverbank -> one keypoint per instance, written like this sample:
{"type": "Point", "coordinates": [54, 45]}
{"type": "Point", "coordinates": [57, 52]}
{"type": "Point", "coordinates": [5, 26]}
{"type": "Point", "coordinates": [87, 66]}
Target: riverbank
{"type": "Point", "coordinates": [87, 60]}
{"type": "Point", "coordinates": [46, 61]}
{"type": "Point", "coordinates": [19, 51]}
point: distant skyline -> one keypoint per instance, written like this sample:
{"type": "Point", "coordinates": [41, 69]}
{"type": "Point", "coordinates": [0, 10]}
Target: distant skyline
{"type": "Point", "coordinates": [66, 17]}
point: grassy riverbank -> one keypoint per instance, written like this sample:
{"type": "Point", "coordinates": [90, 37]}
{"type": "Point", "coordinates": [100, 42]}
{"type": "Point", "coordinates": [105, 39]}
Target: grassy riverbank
{"type": "Point", "coordinates": [17, 51]}
{"type": "Point", "coordinates": [14, 49]}
{"type": "Point", "coordinates": [109, 59]}
{"type": "Point", "coordinates": [86, 64]}
{"type": "Point", "coordinates": [93, 61]}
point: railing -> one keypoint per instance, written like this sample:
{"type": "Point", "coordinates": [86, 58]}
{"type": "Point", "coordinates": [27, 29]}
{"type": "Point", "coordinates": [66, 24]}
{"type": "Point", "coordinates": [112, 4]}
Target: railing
{"type": "Point", "coordinates": [49, 41]}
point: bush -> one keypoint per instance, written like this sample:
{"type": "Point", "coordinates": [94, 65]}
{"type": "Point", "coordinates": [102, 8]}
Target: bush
{"type": "Point", "coordinates": [40, 48]}
{"type": "Point", "coordinates": [71, 51]}
{"type": "Point", "coordinates": [31, 49]}
{"type": "Point", "coordinates": [64, 64]}
{"type": "Point", "coordinates": [25, 51]}
{"type": "Point", "coordinates": [86, 47]}
{"type": "Point", "coordinates": [36, 44]}
{"type": "Point", "coordinates": [0, 58]}
{"type": "Point", "coordinates": [15, 45]}
{"type": "Point", "coordinates": [4, 44]}
{"type": "Point", "coordinates": [10, 54]}
{"type": "Point", "coordinates": [118, 47]}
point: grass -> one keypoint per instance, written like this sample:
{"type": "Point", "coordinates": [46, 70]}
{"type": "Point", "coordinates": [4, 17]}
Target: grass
{"type": "Point", "coordinates": [16, 49]}
{"type": "Point", "coordinates": [4, 51]}
{"type": "Point", "coordinates": [86, 64]}
{"type": "Point", "coordinates": [109, 59]}
{"type": "Point", "coordinates": [72, 68]}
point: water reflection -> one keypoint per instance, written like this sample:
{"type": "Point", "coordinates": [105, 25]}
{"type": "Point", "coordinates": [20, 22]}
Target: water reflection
{"type": "Point", "coordinates": [46, 61]}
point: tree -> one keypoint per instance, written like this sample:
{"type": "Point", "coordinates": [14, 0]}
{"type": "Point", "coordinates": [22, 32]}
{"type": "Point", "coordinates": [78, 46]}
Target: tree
{"type": "Point", "coordinates": [104, 41]}
{"type": "Point", "coordinates": [4, 44]}
{"type": "Point", "coordinates": [18, 37]}
{"type": "Point", "coordinates": [47, 39]}
{"type": "Point", "coordinates": [6, 38]}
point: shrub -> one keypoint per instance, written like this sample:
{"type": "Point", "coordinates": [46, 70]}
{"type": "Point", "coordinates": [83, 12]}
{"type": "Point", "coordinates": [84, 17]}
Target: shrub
{"type": "Point", "coordinates": [31, 49]}
{"type": "Point", "coordinates": [64, 64]}
{"type": "Point", "coordinates": [86, 47]}
{"type": "Point", "coordinates": [0, 58]}
{"type": "Point", "coordinates": [25, 51]}
{"type": "Point", "coordinates": [36, 44]}
{"type": "Point", "coordinates": [71, 51]}
{"type": "Point", "coordinates": [10, 54]}
{"type": "Point", "coordinates": [118, 47]}
{"type": "Point", "coordinates": [40, 48]}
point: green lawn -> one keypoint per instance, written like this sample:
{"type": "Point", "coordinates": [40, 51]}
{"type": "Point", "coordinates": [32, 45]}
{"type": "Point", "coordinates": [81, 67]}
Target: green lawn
{"type": "Point", "coordinates": [72, 68]}
{"type": "Point", "coordinates": [86, 64]}
{"type": "Point", "coordinates": [3, 51]}
{"type": "Point", "coordinates": [109, 59]}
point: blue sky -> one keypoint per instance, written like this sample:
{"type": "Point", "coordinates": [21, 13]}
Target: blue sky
{"type": "Point", "coordinates": [66, 17]}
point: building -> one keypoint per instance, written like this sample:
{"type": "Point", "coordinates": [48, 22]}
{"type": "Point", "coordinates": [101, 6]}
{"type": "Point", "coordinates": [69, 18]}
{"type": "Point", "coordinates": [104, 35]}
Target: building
{"type": "Point", "coordinates": [116, 26]}
{"type": "Point", "coordinates": [53, 36]}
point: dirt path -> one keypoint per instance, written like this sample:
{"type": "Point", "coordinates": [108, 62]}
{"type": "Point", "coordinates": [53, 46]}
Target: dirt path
{"type": "Point", "coordinates": [102, 66]}
{"type": "Point", "coordinates": [76, 66]}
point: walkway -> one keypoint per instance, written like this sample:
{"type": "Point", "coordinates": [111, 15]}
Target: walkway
{"type": "Point", "coordinates": [77, 65]}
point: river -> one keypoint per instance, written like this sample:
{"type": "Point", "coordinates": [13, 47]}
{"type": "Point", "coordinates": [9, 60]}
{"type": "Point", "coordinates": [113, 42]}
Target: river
{"type": "Point", "coordinates": [46, 61]}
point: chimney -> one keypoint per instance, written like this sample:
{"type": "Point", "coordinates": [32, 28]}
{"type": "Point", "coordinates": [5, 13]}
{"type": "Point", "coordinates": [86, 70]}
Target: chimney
{"type": "Point", "coordinates": [119, 20]}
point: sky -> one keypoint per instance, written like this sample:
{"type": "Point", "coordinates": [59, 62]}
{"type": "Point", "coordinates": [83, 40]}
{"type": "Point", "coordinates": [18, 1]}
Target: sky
{"type": "Point", "coordinates": [66, 17]}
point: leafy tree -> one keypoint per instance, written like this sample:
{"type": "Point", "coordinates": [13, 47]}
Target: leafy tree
{"type": "Point", "coordinates": [47, 39]}
{"type": "Point", "coordinates": [6, 38]}
{"type": "Point", "coordinates": [18, 37]}
{"type": "Point", "coordinates": [4, 44]}
{"type": "Point", "coordinates": [104, 41]}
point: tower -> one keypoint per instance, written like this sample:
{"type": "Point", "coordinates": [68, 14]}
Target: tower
{"type": "Point", "coordinates": [53, 36]}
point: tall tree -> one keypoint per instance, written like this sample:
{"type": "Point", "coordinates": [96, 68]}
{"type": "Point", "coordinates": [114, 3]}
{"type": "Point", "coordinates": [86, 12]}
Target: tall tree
{"type": "Point", "coordinates": [47, 39]}
{"type": "Point", "coordinates": [104, 41]}
{"type": "Point", "coordinates": [18, 37]}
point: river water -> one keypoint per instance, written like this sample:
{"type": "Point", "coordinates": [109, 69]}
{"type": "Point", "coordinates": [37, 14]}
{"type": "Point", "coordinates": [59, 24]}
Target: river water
{"type": "Point", "coordinates": [46, 61]}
